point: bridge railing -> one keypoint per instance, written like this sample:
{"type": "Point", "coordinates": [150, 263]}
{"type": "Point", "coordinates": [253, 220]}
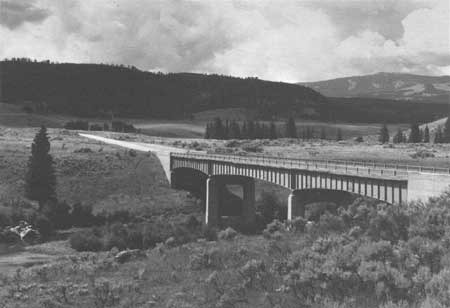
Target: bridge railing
{"type": "Point", "coordinates": [318, 164]}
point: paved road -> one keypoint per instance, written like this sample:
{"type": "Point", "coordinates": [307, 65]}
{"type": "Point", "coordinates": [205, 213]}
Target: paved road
{"type": "Point", "coordinates": [161, 151]}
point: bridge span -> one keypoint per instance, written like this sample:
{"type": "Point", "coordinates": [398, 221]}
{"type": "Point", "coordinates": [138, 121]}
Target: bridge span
{"type": "Point", "coordinates": [385, 182]}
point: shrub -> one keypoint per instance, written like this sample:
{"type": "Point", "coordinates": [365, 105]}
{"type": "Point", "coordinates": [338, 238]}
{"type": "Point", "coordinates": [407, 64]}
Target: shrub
{"type": "Point", "coordinates": [209, 233]}
{"type": "Point", "coordinates": [58, 213]}
{"type": "Point", "coordinates": [81, 215]}
{"type": "Point", "coordinates": [298, 224]}
{"type": "Point", "coordinates": [86, 241]}
{"type": "Point", "coordinates": [119, 126]}
{"type": "Point", "coordinates": [227, 234]}
{"type": "Point", "coordinates": [43, 225]}
{"type": "Point", "coordinates": [78, 125]}
{"type": "Point", "coordinates": [270, 207]}
{"type": "Point", "coordinates": [95, 127]}
{"type": "Point", "coordinates": [439, 288]}
{"type": "Point", "coordinates": [331, 223]}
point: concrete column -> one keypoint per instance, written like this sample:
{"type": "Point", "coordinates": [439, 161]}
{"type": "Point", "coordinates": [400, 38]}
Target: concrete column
{"type": "Point", "coordinates": [295, 207]}
{"type": "Point", "coordinates": [248, 202]}
{"type": "Point", "coordinates": [212, 202]}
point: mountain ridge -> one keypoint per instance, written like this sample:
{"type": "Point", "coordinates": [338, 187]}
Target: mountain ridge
{"type": "Point", "coordinates": [386, 85]}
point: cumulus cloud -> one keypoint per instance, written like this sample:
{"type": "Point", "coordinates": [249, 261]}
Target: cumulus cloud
{"type": "Point", "coordinates": [14, 14]}
{"type": "Point", "coordinates": [283, 40]}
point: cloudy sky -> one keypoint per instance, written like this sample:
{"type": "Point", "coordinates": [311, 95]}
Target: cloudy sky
{"type": "Point", "coordinates": [277, 40]}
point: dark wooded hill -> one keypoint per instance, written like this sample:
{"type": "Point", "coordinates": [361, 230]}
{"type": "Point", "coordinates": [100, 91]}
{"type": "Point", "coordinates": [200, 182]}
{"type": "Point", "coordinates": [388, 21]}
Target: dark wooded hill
{"type": "Point", "coordinates": [93, 89]}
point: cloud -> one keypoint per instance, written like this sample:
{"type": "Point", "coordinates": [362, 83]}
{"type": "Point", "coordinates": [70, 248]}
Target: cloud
{"type": "Point", "coordinates": [14, 14]}
{"type": "Point", "coordinates": [284, 40]}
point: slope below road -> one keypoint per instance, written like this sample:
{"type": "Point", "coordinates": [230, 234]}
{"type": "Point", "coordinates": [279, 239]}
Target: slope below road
{"type": "Point", "coordinates": [161, 151]}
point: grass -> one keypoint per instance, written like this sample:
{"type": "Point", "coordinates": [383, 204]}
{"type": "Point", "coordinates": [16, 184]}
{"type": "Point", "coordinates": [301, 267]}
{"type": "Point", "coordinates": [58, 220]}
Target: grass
{"type": "Point", "coordinates": [106, 177]}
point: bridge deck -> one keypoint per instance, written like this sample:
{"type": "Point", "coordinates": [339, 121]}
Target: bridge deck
{"type": "Point", "coordinates": [357, 168]}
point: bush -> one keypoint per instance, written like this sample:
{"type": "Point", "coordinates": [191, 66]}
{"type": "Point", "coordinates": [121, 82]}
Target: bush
{"type": "Point", "coordinates": [119, 126]}
{"type": "Point", "coordinates": [95, 127]}
{"type": "Point", "coordinates": [78, 125]}
{"type": "Point", "coordinates": [209, 233]}
{"type": "Point", "coordinates": [298, 224]}
{"type": "Point", "coordinates": [227, 234]}
{"type": "Point", "coordinates": [86, 241]}
{"type": "Point", "coordinates": [439, 288]}
{"type": "Point", "coordinates": [44, 226]}
{"type": "Point", "coordinates": [81, 215]}
{"type": "Point", "coordinates": [270, 207]}
{"type": "Point", "coordinates": [58, 213]}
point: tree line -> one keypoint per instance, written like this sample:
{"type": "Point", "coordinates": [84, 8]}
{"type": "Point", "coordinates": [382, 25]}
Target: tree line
{"type": "Point", "coordinates": [250, 129]}
{"type": "Point", "coordinates": [105, 90]}
{"type": "Point", "coordinates": [417, 135]}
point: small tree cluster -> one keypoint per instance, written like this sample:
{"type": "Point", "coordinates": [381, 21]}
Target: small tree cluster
{"type": "Point", "coordinates": [218, 129]}
{"type": "Point", "coordinates": [442, 135]}
{"type": "Point", "coordinates": [384, 134]}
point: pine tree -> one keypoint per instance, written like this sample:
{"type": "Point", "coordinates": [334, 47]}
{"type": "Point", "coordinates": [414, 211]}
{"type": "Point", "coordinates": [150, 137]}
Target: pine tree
{"type": "Point", "coordinates": [291, 129]}
{"type": "Point", "coordinates": [273, 131]}
{"type": "Point", "coordinates": [426, 135]}
{"type": "Point", "coordinates": [414, 136]}
{"type": "Point", "coordinates": [218, 129]}
{"type": "Point", "coordinates": [399, 137]}
{"type": "Point", "coordinates": [438, 135]}
{"type": "Point", "coordinates": [323, 134]}
{"type": "Point", "coordinates": [40, 182]}
{"type": "Point", "coordinates": [235, 130]}
{"type": "Point", "coordinates": [226, 130]}
{"type": "Point", "coordinates": [339, 135]}
{"type": "Point", "coordinates": [208, 131]}
{"type": "Point", "coordinates": [384, 134]}
{"type": "Point", "coordinates": [244, 131]}
{"type": "Point", "coordinates": [251, 129]}
{"type": "Point", "coordinates": [446, 131]}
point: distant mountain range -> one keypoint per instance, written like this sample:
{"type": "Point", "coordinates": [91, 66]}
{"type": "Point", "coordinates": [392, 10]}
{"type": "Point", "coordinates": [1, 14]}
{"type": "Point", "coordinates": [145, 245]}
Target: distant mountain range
{"type": "Point", "coordinates": [396, 86]}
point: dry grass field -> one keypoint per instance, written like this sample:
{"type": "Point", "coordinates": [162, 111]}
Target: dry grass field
{"type": "Point", "coordinates": [106, 177]}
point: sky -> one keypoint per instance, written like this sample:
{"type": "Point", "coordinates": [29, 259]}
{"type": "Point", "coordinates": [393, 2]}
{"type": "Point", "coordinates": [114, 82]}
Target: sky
{"type": "Point", "coordinates": [284, 40]}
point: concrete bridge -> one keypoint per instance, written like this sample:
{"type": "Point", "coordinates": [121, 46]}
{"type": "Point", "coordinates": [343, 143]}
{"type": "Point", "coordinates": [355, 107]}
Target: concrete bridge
{"type": "Point", "coordinates": [386, 182]}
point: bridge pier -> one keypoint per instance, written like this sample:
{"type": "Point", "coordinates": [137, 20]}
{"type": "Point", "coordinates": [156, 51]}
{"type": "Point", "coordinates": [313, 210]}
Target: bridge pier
{"type": "Point", "coordinates": [212, 201]}
{"type": "Point", "coordinates": [295, 206]}
{"type": "Point", "coordinates": [248, 204]}
{"type": "Point", "coordinates": [215, 194]}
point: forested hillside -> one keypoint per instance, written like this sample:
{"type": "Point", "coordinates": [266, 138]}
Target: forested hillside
{"type": "Point", "coordinates": [94, 89]}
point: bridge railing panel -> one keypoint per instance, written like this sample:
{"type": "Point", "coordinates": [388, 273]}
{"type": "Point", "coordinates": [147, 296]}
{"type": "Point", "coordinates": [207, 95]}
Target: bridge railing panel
{"type": "Point", "coordinates": [316, 164]}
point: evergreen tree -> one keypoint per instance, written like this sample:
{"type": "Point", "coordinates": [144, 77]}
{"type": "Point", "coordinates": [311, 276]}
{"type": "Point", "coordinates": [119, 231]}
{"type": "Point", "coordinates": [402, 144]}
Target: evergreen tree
{"type": "Point", "coordinates": [273, 131]}
{"type": "Point", "coordinates": [208, 131]}
{"type": "Point", "coordinates": [244, 131]}
{"type": "Point", "coordinates": [339, 135]}
{"type": "Point", "coordinates": [399, 137]}
{"type": "Point", "coordinates": [226, 130]}
{"type": "Point", "coordinates": [384, 134]}
{"type": "Point", "coordinates": [438, 135]}
{"type": "Point", "coordinates": [323, 134]}
{"type": "Point", "coordinates": [414, 136]}
{"type": "Point", "coordinates": [426, 135]}
{"type": "Point", "coordinates": [235, 130]}
{"type": "Point", "coordinates": [311, 133]}
{"type": "Point", "coordinates": [251, 129]}
{"type": "Point", "coordinates": [446, 131]}
{"type": "Point", "coordinates": [291, 129]}
{"type": "Point", "coordinates": [218, 129]}
{"type": "Point", "coordinates": [40, 182]}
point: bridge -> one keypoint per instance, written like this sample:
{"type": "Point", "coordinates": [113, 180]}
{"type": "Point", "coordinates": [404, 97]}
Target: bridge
{"type": "Point", "coordinates": [390, 183]}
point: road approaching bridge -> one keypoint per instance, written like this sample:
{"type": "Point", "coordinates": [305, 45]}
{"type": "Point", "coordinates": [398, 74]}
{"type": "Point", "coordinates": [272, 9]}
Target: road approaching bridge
{"type": "Point", "coordinates": [386, 182]}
